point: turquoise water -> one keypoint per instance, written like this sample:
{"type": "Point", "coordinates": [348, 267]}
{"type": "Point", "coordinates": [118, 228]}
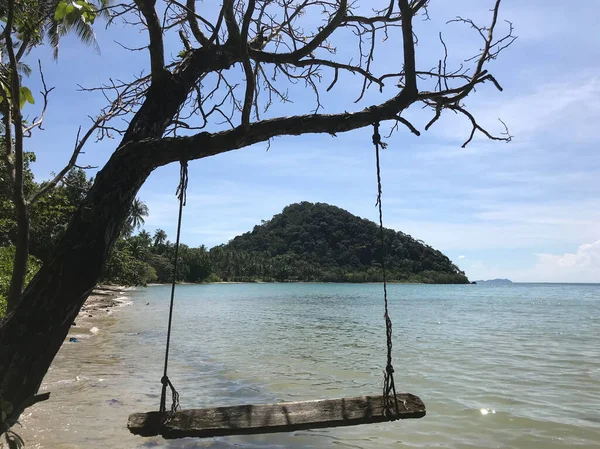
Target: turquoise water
{"type": "Point", "coordinates": [514, 366]}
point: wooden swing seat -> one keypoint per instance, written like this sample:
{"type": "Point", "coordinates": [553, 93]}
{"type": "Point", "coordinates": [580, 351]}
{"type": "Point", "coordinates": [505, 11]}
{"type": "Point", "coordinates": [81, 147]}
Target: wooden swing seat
{"type": "Point", "coordinates": [272, 418]}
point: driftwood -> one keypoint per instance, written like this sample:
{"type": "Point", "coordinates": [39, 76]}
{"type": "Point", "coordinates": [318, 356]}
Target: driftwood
{"type": "Point", "coordinates": [271, 418]}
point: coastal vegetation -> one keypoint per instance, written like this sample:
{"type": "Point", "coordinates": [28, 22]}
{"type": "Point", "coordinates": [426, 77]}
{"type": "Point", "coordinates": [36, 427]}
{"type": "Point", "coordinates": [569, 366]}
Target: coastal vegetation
{"type": "Point", "coordinates": [320, 242]}
{"type": "Point", "coordinates": [212, 78]}
{"type": "Point", "coordinates": [305, 242]}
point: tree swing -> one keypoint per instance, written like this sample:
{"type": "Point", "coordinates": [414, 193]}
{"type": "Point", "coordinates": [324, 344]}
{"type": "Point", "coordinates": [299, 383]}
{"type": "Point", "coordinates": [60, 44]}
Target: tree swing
{"type": "Point", "coordinates": [286, 416]}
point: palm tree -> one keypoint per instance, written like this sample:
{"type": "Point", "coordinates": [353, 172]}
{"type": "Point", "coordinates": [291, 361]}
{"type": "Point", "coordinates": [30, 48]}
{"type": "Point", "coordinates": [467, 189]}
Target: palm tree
{"type": "Point", "coordinates": [145, 237]}
{"type": "Point", "coordinates": [55, 18]}
{"type": "Point", "coordinates": [160, 237]}
{"type": "Point", "coordinates": [138, 211]}
{"type": "Point", "coordinates": [75, 19]}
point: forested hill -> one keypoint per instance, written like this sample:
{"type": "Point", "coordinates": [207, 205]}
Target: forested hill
{"type": "Point", "coordinates": [320, 242]}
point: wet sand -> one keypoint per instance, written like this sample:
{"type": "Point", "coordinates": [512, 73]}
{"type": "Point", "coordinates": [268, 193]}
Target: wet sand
{"type": "Point", "coordinates": [100, 303]}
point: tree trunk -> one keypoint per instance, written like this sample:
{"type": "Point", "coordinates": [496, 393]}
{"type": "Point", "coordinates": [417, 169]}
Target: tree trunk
{"type": "Point", "coordinates": [32, 333]}
{"type": "Point", "coordinates": [14, 109]}
{"type": "Point", "coordinates": [19, 272]}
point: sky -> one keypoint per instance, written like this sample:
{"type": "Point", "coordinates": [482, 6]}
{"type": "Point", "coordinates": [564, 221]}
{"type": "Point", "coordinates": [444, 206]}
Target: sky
{"type": "Point", "coordinates": [528, 210]}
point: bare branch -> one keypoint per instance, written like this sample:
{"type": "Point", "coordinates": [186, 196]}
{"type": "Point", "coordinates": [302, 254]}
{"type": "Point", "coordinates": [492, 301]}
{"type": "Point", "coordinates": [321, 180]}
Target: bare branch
{"type": "Point", "coordinates": [229, 14]}
{"type": "Point", "coordinates": [338, 66]}
{"type": "Point", "coordinates": [37, 122]}
{"type": "Point", "coordinates": [193, 21]}
{"type": "Point", "coordinates": [99, 122]}
{"type": "Point", "coordinates": [157, 51]}
{"type": "Point", "coordinates": [410, 76]}
{"type": "Point", "coordinates": [409, 125]}
{"type": "Point", "coordinates": [307, 49]}
{"type": "Point", "coordinates": [476, 127]}
{"type": "Point", "coordinates": [250, 78]}
{"type": "Point", "coordinates": [162, 151]}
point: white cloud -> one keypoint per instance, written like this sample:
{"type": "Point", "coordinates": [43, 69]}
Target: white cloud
{"type": "Point", "coordinates": [566, 111]}
{"type": "Point", "coordinates": [582, 266]}
{"type": "Point", "coordinates": [507, 226]}
{"type": "Point", "coordinates": [461, 257]}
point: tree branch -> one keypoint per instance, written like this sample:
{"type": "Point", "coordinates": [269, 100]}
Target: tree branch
{"type": "Point", "coordinates": [250, 78]}
{"type": "Point", "coordinates": [158, 152]}
{"type": "Point", "coordinates": [79, 144]}
{"type": "Point", "coordinates": [22, 213]}
{"type": "Point", "coordinates": [410, 76]}
{"type": "Point", "coordinates": [37, 122]}
{"type": "Point", "coordinates": [233, 30]}
{"type": "Point", "coordinates": [338, 66]}
{"type": "Point", "coordinates": [476, 127]}
{"type": "Point", "coordinates": [192, 19]}
{"type": "Point", "coordinates": [155, 46]}
{"type": "Point", "coordinates": [306, 50]}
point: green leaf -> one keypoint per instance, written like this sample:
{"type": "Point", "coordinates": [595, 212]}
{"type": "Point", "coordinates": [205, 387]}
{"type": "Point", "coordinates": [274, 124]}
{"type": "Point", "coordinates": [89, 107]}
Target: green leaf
{"type": "Point", "coordinates": [61, 11]}
{"type": "Point", "coordinates": [27, 95]}
{"type": "Point", "coordinates": [82, 5]}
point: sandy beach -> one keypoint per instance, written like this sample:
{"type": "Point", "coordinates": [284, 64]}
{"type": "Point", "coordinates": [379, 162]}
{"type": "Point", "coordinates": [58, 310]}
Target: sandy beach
{"type": "Point", "coordinates": [101, 303]}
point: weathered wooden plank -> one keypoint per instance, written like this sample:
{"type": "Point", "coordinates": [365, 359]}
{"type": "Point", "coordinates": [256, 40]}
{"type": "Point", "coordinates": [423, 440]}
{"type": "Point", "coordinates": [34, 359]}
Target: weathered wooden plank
{"type": "Point", "coordinates": [271, 418]}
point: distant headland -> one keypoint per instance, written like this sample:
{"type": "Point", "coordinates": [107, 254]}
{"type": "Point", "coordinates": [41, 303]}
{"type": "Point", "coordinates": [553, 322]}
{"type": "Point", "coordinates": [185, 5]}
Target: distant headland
{"type": "Point", "coordinates": [494, 282]}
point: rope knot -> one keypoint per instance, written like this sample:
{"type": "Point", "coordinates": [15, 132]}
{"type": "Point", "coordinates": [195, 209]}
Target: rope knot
{"type": "Point", "coordinates": [377, 137]}
{"type": "Point", "coordinates": [164, 380]}
{"type": "Point", "coordinates": [389, 369]}
{"type": "Point", "coordinates": [183, 182]}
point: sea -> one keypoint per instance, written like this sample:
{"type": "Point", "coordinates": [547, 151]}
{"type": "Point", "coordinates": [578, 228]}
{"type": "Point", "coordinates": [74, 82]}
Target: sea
{"type": "Point", "coordinates": [509, 366]}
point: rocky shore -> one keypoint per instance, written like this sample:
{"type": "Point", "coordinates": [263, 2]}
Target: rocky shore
{"type": "Point", "coordinates": [99, 305]}
{"type": "Point", "coordinates": [103, 299]}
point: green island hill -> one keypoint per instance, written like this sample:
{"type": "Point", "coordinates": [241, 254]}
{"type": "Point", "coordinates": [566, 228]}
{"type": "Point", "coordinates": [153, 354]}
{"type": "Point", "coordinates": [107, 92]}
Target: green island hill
{"type": "Point", "coordinates": [323, 243]}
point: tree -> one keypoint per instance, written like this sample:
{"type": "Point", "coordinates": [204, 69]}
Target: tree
{"type": "Point", "coordinates": [145, 237]}
{"type": "Point", "coordinates": [160, 237]}
{"type": "Point", "coordinates": [135, 220]}
{"type": "Point", "coordinates": [242, 60]}
{"type": "Point", "coordinates": [7, 254]}
{"type": "Point", "coordinates": [197, 264]}
{"type": "Point", "coordinates": [124, 268]}
{"type": "Point", "coordinates": [26, 23]}
{"type": "Point", "coordinates": [50, 215]}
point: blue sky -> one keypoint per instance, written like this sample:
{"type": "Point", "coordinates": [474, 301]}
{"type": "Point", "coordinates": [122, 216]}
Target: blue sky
{"type": "Point", "coordinates": [528, 210]}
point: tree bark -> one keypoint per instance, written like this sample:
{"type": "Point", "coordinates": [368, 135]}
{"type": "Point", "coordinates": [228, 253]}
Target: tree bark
{"type": "Point", "coordinates": [20, 260]}
{"type": "Point", "coordinates": [21, 209]}
{"type": "Point", "coordinates": [32, 333]}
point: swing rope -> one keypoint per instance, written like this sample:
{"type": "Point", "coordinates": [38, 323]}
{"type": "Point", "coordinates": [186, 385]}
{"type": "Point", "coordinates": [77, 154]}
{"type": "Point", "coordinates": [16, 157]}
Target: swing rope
{"type": "Point", "coordinates": [390, 399]}
{"type": "Point", "coordinates": [389, 388]}
{"type": "Point", "coordinates": [166, 382]}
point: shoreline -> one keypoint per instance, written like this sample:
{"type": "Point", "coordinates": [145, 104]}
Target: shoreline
{"type": "Point", "coordinates": [101, 303]}
{"type": "Point", "coordinates": [306, 282]}
{"type": "Point", "coordinates": [103, 298]}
